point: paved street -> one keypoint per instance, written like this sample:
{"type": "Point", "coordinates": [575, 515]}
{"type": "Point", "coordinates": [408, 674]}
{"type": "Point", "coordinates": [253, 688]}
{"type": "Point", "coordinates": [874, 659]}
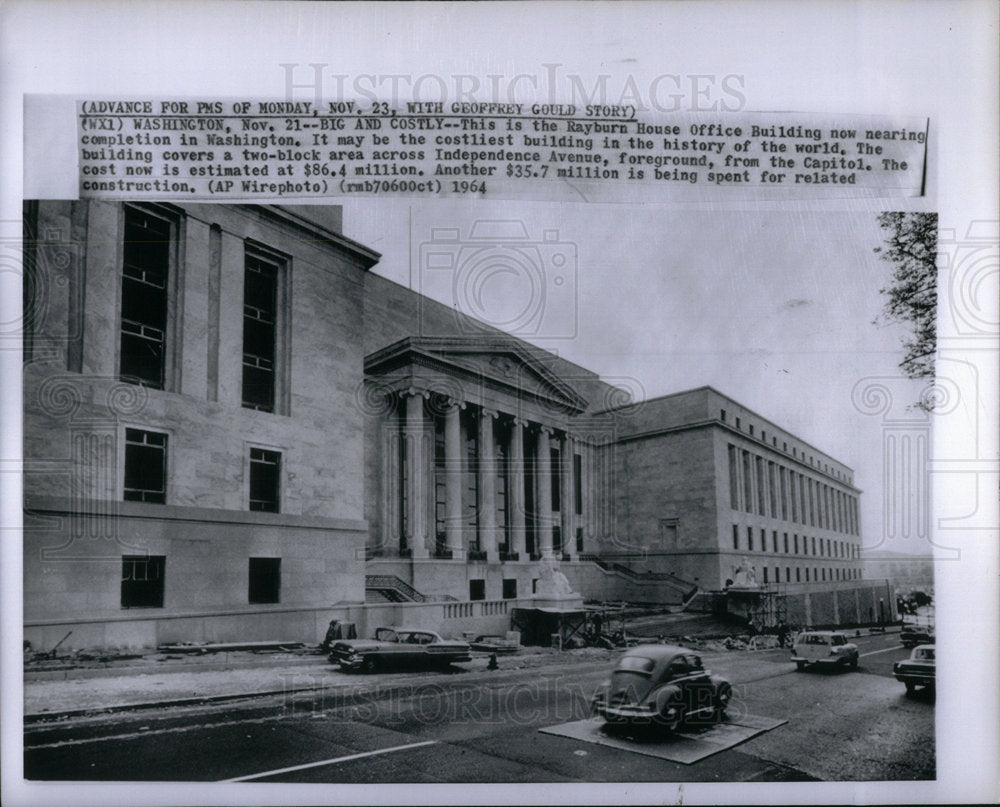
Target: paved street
{"type": "Point", "coordinates": [484, 727]}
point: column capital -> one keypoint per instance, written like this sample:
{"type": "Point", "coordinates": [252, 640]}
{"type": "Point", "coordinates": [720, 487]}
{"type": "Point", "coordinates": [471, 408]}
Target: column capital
{"type": "Point", "coordinates": [546, 430]}
{"type": "Point", "coordinates": [492, 413]}
{"type": "Point", "coordinates": [415, 391]}
{"type": "Point", "coordinates": [520, 422]}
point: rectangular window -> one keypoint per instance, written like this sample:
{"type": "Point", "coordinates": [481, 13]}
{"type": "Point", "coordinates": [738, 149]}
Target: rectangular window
{"type": "Point", "coordinates": [763, 540]}
{"type": "Point", "coordinates": [734, 480]}
{"type": "Point", "coordinates": [795, 545]}
{"type": "Point", "coordinates": [794, 496]}
{"type": "Point", "coordinates": [265, 480]}
{"type": "Point", "coordinates": [265, 580]}
{"type": "Point", "coordinates": [765, 575]}
{"type": "Point", "coordinates": [736, 537]}
{"type": "Point", "coordinates": [761, 487]}
{"type": "Point", "coordinates": [807, 574]}
{"type": "Point", "coordinates": [774, 540]}
{"type": "Point", "coordinates": [510, 588]}
{"type": "Point", "coordinates": [145, 272]}
{"type": "Point", "coordinates": [750, 538]}
{"type": "Point", "coordinates": [722, 415]}
{"type": "Point", "coordinates": [145, 466]}
{"type": "Point", "coordinates": [773, 489]}
{"type": "Point", "coordinates": [747, 483]}
{"type": "Point", "coordinates": [788, 574]}
{"type": "Point", "coordinates": [814, 545]}
{"type": "Point", "coordinates": [142, 581]}
{"type": "Point", "coordinates": [579, 539]}
{"type": "Point", "coordinates": [798, 575]}
{"type": "Point", "coordinates": [260, 317]}
{"type": "Point", "coordinates": [477, 589]}
{"type": "Point", "coordinates": [578, 484]}
{"type": "Point", "coordinates": [786, 543]}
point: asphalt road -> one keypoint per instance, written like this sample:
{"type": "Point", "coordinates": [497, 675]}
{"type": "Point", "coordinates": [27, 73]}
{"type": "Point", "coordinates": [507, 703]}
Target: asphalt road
{"type": "Point", "coordinates": [483, 727]}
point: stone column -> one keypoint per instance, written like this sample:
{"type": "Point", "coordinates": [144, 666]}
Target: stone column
{"type": "Point", "coordinates": [543, 504]}
{"type": "Point", "coordinates": [569, 517]}
{"type": "Point", "coordinates": [515, 493]}
{"type": "Point", "coordinates": [453, 480]}
{"type": "Point", "coordinates": [416, 487]}
{"type": "Point", "coordinates": [487, 486]}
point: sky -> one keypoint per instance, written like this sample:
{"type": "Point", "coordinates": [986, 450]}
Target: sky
{"type": "Point", "coordinates": [775, 308]}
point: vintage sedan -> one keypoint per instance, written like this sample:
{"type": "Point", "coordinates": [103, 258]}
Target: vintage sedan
{"type": "Point", "coordinates": [661, 686]}
{"type": "Point", "coordinates": [398, 647]}
{"type": "Point", "coordinates": [918, 670]}
{"type": "Point", "coordinates": [824, 648]}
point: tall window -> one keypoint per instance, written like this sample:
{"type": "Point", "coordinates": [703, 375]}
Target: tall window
{"type": "Point", "coordinates": [761, 487]}
{"type": "Point", "coordinates": [145, 271]}
{"type": "Point", "coordinates": [265, 476]}
{"type": "Point", "coordinates": [747, 483]}
{"type": "Point", "coordinates": [736, 536]}
{"type": "Point", "coordinates": [142, 581]}
{"type": "Point", "coordinates": [145, 466]}
{"type": "Point", "coordinates": [260, 312]}
{"type": "Point", "coordinates": [265, 580]}
{"type": "Point", "coordinates": [734, 480]}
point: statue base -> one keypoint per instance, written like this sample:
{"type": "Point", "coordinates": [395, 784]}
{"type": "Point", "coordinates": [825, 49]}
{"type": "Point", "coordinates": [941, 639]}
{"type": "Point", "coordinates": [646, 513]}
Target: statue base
{"type": "Point", "coordinates": [560, 602]}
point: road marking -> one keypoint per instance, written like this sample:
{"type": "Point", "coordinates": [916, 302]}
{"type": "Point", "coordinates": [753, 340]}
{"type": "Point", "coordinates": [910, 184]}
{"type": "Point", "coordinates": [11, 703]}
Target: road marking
{"type": "Point", "coordinates": [884, 650]}
{"type": "Point", "coordinates": [333, 761]}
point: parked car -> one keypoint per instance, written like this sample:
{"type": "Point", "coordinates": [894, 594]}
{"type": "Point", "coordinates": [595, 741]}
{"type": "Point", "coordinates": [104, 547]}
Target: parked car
{"type": "Point", "coordinates": [918, 670]}
{"type": "Point", "coordinates": [912, 635]}
{"type": "Point", "coordinates": [825, 648]}
{"type": "Point", "coordinates": [493, 643]}
{"type": "Point", "coordinates": [661, 686]}
{"type": "Point", "coordinates": [398, 647]}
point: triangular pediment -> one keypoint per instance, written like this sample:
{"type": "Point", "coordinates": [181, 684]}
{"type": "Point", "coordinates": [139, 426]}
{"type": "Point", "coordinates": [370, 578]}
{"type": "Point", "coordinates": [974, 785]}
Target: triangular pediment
{"type": "Point", "coordinates": [502, 363]}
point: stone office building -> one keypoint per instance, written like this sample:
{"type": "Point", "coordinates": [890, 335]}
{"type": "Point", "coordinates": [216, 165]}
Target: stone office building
{"type": "Point", "coordinates": [234, 431]}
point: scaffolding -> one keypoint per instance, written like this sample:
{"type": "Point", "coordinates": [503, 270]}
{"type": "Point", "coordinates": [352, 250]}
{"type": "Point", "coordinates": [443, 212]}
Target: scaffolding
{"type": "Point", "coordinates": [764, 607]}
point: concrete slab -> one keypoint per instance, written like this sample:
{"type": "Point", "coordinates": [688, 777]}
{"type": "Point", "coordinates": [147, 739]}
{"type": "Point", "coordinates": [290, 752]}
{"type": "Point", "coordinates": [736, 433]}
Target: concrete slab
{"type": "Point", "coordinates": [687, 746]}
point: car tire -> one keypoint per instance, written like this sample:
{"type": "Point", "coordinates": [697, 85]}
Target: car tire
{"type": "Point", "coordinates": [722, 698]}
{"type": "Point", "coordinates": [370, 664]}
{"type": "Point", "coordinates": [853, 663]}
{"type": "Point", "coordinates": [910, 687]}
{"type": "Point", "coordinates": [800, 665]}
{"type": "Point", "coordinates": [672, 715]}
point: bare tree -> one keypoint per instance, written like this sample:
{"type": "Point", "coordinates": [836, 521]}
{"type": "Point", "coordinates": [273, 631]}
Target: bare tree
{"type": "Point", "coordinates": [911, 248]}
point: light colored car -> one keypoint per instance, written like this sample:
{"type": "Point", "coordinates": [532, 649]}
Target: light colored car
{"type": "Point", "coordinates": [661, 686]}
{"type": "Point", "coordinates": [824, 648]}
{"type": "Point", "coordinates": [398, 647]}
{"type": "Point", "coordinates": [919, 670]}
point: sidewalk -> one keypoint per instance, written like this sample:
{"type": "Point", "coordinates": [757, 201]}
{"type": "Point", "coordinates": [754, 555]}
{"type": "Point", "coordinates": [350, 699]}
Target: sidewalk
{"type": "Point", "coordinates": [154, 681]}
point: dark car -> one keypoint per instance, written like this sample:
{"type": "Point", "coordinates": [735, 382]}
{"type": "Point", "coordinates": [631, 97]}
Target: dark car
{"type": "Point", "coordinates": [919, 670]}
{"type": "Point", "coordinates": [912, 635]}
{"type": "Point", "coordinates": [398, 647]}
{"type": "Point", "coordinates": [661, 686]}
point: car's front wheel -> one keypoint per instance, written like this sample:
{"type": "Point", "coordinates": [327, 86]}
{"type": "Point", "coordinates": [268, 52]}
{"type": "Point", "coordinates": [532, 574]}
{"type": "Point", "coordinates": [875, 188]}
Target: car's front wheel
{"type": "Point", "coordinates": [370, 664]}
{"type": "Point", "coordinates": [800, 665]}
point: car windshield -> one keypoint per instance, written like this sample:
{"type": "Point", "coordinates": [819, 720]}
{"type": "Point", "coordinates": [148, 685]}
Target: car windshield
{"type": "Point", "coordinates": [638, 664]}
{"type": "Point", "coordinates": [838, 639]}
{"type": "Point", "coordinates": [924, 653]}
{"type": "Point", "coordinates": [386, 635]}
